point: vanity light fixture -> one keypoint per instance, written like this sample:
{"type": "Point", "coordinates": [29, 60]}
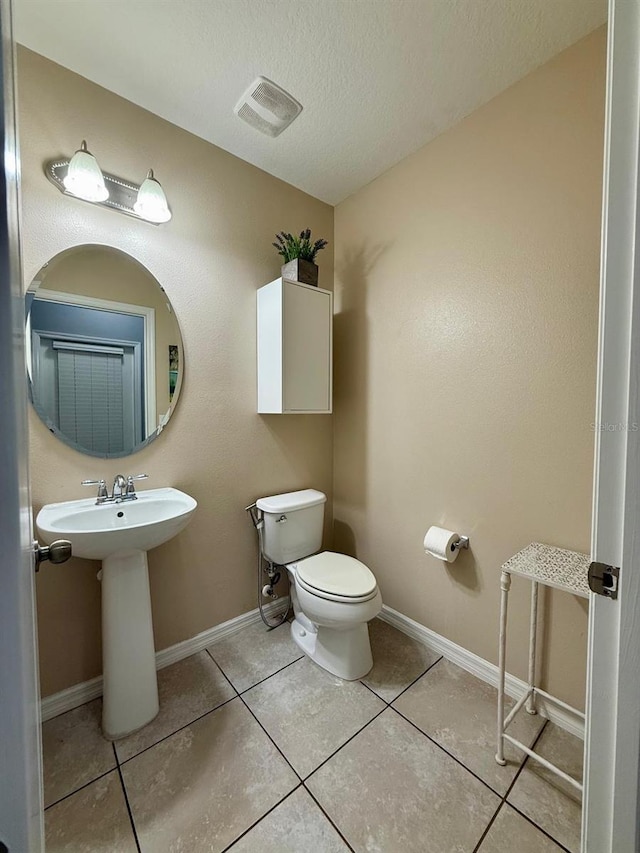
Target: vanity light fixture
{"type": "Point", "coordinates": [82, 178]}
{"type": "Point", "coordinates": [151, 203]}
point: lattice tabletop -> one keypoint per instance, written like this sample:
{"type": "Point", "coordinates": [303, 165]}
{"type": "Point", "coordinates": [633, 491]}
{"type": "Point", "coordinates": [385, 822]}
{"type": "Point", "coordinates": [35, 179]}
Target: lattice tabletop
{"type": "Point", "coordinates": [557, 567]}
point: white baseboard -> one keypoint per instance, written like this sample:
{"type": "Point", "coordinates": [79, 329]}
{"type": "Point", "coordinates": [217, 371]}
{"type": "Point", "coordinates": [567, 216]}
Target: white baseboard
{"type": "Point", "coordinates": [70, 698]}
{"type": "Point", "coordinates": [73, 697]}
{"type": "Point", "coordinates": [77, 695]}
{"type": "Point", "coordinates": [481, 668]}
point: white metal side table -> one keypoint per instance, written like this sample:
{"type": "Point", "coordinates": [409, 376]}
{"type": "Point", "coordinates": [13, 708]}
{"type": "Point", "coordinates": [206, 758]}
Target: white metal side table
{"type": "Point", "coordinates": [549, 566]}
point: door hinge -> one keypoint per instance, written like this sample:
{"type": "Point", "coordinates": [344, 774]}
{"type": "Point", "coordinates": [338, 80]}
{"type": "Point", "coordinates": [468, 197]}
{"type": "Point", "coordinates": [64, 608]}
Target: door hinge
{"type": "Point", "coordinates": [603, 579]}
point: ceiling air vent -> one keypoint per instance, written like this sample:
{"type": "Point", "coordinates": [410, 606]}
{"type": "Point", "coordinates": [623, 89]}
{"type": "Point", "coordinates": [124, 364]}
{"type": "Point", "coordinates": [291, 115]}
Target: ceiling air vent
{"type": "Point", "coordinates": [267, 107]}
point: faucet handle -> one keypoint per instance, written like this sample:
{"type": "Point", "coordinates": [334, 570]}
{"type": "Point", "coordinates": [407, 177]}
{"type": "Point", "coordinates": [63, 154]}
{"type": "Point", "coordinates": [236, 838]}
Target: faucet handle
{"type": "Point", "coordinates": [101, 484]}
{"type": "Point", "coordinates": [131, 489]}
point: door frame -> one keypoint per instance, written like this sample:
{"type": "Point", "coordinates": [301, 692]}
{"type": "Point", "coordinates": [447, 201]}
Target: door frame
{"type": "Point", "coordinates": [612, 737]}
{"type": "Point", "coordinates": [149, 318]}
{"type": "Point", "coordinates": [612, 742]}
{"type": "Point", "coordinates": [21, 800]}
{"type": "Point", "coordinates": [132, 372]}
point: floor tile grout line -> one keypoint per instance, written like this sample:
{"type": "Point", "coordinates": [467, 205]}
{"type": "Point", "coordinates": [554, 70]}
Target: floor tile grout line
{"type": "Point", "coordinates": [515, 808]}
{"type": "Point", "coordinates": [298, 776]}
{"type": "Point", "coordinates": [262, 680]}
{"type": "Point", "coordinates": [196, 719]}
{"type": "Point", "coordinates": [479, 779]}
{"type": "Point", "coordinates": [155, 743]}
{"type": "Point", "coordinates": [342, 745]}
{"type": "Point", "coordinates": [526, 757]}
{"type": "Point", "coordinates": [81, 787]}
{"type": "Point", "coordinates": [485, 831]}
{"type": "Point", "coordinates": [264, 729]}
{"type": "Point", "coordinates": [404, 689]}
{"type": "Point", "coordinates": [415, 680]}
{"type": "Point", "coordinates": [224, 674]}
{"type": "Point", "coordinates": [508, 791]}
{"type": "Point", "coordinates": [371, 690]}
{"type": "Point", "coordinates": [261, 818]}
{"type": "Point", "coordinates": [446, 751]}
{"type": "Point", "coordinates": [326, 814]}
{"type": "Point", "coordinates": [126, 801]}
{"type": "Point", "coordinates": [543, 831]}
{"type": "Point", "coordinates": [206, 649]}
{"type": "Point", "coordinates": [226, 702]}
{"type": "Point", "coordinates": [100, 697]}
{"type": "Point", "coordinates": [175, 731]}
{"type": "Point", "coordinates": [239, 694]}
{"type": "Point", "coordinates": [304, 779]}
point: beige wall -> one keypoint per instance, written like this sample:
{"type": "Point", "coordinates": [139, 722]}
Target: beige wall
{"type": "Point", "coordinates": [467, 300]}
{"type": "Point", "coordinates": [210, 258]}
{"type": "Point", "coordinates": [465, 343]}
{"type": "Point", "coordinates": [104, 274]}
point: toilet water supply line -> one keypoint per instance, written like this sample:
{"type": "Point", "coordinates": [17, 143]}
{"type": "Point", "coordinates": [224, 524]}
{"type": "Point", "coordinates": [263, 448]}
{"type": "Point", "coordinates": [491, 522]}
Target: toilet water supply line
{"type": "Point", "coordinates": [270, 569]}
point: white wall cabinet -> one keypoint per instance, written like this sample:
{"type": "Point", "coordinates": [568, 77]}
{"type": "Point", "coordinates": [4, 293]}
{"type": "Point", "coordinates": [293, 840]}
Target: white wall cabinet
{"type": "Point", "coordinates": [295, 325]}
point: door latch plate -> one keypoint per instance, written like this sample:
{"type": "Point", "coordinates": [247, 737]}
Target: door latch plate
{"type": "Point", "coordinates": [603, 579]}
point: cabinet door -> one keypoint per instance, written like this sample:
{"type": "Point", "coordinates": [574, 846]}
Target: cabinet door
{"type": "Point", "coordinates": [307, 349]}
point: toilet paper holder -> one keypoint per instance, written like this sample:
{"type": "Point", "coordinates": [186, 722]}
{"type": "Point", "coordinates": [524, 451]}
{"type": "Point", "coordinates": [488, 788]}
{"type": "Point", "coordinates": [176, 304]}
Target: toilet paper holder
{"type": "Point", "coordinates": [444, 544]}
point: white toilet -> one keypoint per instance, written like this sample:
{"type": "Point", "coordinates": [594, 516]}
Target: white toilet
{"type": "Point", "coordinates": [333, 596]}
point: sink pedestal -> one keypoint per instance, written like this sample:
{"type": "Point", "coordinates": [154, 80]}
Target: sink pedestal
{"type": "Point", "coordinates": [130, 689]}
{"type": "Point", "coordinates": [120, 533]}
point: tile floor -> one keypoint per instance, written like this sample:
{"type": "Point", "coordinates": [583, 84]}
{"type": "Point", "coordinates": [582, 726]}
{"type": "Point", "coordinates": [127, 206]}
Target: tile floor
{"type": "Point", "coordinates": [257, 750]}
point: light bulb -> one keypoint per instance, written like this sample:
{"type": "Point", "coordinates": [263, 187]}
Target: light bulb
{"type": "Point", "coordinates": [84, 178]}
{"type": "Point", "coordinates": [151, 203]}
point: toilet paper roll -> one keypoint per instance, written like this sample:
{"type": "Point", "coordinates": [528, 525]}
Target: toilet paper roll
{"type": "Point", "coordinates": [440, 544]}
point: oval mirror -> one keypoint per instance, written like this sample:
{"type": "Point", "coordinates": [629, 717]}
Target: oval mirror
{"type": "Point", "coordinates": [104, 352]}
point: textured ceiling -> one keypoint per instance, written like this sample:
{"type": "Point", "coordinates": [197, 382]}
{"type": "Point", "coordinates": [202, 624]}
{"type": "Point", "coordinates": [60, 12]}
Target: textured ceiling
{"type": "Point", "coordinates": [377, 78]}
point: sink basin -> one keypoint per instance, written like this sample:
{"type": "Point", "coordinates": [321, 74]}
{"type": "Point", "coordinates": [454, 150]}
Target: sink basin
{"type": "Point", "coordinates": [120, 534]}
{"type": "Point", "coordinates": [97, 532]}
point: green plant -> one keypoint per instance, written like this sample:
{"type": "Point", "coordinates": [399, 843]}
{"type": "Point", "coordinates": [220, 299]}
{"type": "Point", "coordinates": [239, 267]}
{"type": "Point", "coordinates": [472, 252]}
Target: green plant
{"type": "Point", "coordinates": [291, 247]}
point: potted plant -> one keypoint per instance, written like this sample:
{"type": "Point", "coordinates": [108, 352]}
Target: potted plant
{"type": "Point", "coordinates": [299, 254]}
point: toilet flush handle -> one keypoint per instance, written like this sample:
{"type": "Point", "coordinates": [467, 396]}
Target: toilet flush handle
{"type": "Point", "coordinates": [281, 519]}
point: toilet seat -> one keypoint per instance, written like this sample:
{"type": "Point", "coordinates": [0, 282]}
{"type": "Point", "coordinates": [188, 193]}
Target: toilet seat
{"type": "Point", "coordinates": [336, 577]}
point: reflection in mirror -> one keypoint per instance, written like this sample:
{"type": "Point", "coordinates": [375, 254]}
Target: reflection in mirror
{"type": "Point", "coordinates": [104, 352]}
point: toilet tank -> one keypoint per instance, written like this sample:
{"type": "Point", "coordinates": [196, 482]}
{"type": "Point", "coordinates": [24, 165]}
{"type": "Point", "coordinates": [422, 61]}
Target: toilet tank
{"type": "Point", "coordinates": [292, 525]}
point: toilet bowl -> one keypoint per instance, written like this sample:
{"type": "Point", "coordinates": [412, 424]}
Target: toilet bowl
{"type": "Point", "coordinates": [333, 595]}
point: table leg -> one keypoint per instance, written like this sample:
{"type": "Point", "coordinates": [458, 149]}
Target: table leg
{"type": "Point", "coordinates": [505, 585]}
{"type": "Point", "coordinates": [533, 629]}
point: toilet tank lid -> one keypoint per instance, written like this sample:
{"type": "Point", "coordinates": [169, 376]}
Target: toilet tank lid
{"type": "Point", "coordinates": [291, 500]}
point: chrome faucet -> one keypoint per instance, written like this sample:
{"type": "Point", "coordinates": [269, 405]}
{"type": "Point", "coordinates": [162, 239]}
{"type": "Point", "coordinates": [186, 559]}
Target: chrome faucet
{"type": "Point", "coordinates": [119, 490]}
{"type": "Point", "coordinates": [123, 488]}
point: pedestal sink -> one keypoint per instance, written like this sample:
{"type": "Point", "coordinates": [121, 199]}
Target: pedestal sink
{"type": "Point", "coordinates": [120, 534]}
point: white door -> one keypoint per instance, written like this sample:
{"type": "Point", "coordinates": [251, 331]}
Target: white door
{"type": "Point", "coordinates": [612, 743]}
{"type": "Point", "coordinates": [20, 774]}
